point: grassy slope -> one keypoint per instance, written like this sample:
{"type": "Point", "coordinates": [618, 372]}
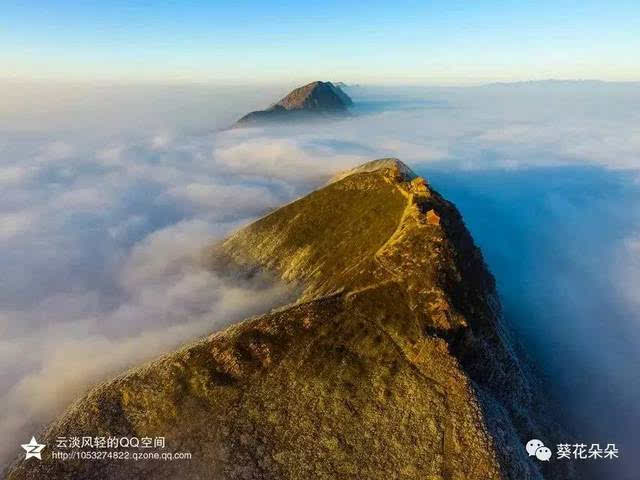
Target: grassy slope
{"type": "Point", "coordinates": [391, 365]}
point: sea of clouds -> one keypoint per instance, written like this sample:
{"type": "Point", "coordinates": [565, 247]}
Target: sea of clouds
{"type": "Point", "coordinates": [109, 194]}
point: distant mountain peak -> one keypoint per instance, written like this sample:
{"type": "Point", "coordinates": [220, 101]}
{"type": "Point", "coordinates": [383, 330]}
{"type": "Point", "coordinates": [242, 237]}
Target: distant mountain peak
{"type": "Point", "coordinates": [313, 98]}
{"type": "Point", "coordinates": [316, 96]}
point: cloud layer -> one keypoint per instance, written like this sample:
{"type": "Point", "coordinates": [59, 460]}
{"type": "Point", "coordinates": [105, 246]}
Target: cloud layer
{"type": "Point", "coordinates": [106, 204]}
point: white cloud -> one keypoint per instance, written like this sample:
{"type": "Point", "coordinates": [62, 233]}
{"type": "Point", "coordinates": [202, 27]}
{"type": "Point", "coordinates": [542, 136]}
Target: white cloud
{"type": "Point", "coordinates": [84, 198]}
{"type": "Point", "coordinates": [224, 198]}
{"type": "Point", "coordinates": [161, 141]}
{"type": "Point", "coordinates": [285, 158]}
{"type": "Point", "coordinates": [55, 151]}
{"type": "Point", "coordinates": [14, 224]}
{"type": "Point", "coordinates": [101, 220]}
{"type": "Point", "coordinates": [14, 174]}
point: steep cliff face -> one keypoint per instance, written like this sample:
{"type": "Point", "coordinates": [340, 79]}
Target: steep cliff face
{"type": "Point", "coordinates": [304, 102]}
{"type": "Point", "coordinates": [393, 363]}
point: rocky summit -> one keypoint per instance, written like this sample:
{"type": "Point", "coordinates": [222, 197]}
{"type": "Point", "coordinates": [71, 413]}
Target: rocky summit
{"type": "Point", "coordinates": [393, 363]}
{"type": "Point", "coordinates": [303, 102]}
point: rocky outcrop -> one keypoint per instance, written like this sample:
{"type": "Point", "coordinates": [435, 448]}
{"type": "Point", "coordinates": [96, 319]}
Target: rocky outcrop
{"type": "Point", "coordinates": [316, 98]}
{"type": "Point", "coordinates": [393, 363]}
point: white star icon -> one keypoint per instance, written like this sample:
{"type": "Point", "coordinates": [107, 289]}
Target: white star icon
{"type": "Point", "coordinates": [33, 449]}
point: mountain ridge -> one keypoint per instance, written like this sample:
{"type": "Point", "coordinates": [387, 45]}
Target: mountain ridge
{"type": "Point", "coordinates": [393, 362]}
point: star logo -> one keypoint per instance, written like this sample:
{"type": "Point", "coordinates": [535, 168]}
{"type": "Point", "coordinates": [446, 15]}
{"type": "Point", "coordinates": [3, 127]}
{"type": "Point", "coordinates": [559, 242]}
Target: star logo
{"type": "Point", "coordinates": [33, 449]}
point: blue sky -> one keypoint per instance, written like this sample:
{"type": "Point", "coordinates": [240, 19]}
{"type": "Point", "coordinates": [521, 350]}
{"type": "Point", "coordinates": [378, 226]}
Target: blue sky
{"type": "Point", "coordinates": [374, 41]}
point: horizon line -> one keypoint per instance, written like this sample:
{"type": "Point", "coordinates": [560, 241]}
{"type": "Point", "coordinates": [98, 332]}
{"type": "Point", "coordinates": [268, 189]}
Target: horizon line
{"type": "Point", "coordinates": [226, 83]}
